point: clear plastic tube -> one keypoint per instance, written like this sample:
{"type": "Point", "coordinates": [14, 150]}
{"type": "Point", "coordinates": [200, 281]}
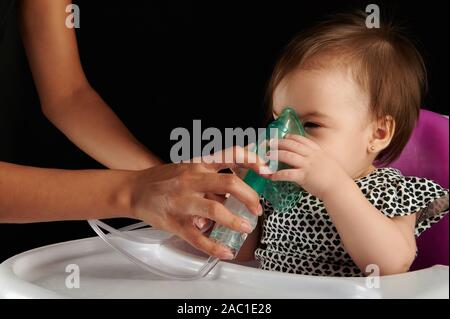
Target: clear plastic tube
{"type": "Point", "coordinates": [221, 234]}
{"type": "Point", "coordinates": [98, 226]}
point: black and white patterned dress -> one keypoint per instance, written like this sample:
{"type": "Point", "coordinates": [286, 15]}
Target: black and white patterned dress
{"type": "Point", "coordinates": [303, 240]}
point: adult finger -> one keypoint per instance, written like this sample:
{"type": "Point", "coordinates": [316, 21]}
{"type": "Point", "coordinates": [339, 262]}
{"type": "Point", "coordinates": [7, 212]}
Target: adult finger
{"type": "Point", "coordinates": [194, 237]}
{"type": "Point", "coordinates": [219, 183]}
{"type": "Point", "coordinates": [237, 157]}
{"type": "Point", "coordinates": [219, 213]}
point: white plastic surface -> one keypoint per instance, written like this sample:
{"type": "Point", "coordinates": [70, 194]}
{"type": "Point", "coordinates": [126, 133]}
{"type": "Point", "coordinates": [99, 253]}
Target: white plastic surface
{"type": "Point", "coordinates": [41, 273]}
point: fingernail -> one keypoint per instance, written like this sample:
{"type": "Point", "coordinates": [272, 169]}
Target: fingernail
{"type": "Point", "coordinates": [246, 227]}
{"type": "Point", "coordinates": [226, 255]}
{"type": "Point", "coordinates": [206, 227]}
{"type": "Point", "coordinates": [201, 223]}
{"type": "Point", "coordinates": [264, 170]}
{"type": "Point", "coordinates": [259, 210]}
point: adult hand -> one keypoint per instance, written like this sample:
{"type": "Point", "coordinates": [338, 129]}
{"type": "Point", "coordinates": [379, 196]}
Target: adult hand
{"type": "Point", "coordinates": [170, 197]}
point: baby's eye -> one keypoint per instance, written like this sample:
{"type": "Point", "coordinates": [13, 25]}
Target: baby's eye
{"type": "Point", "coordinates": [311, 125]}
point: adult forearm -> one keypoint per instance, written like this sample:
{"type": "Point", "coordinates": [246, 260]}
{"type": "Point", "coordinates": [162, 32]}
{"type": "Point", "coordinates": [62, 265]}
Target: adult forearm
{"type": "Point", "coordinates": [169, 197]}
{"type": "Point", "coordinates": [89, 123]}
{"type": "Point", "coordinates": [29, 194]}
{"type": "Point", "coordinates": [66, 97]}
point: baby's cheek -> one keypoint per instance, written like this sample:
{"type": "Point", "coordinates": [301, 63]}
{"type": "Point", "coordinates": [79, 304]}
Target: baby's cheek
{"type": "Point", "coordinates": [346, 154]}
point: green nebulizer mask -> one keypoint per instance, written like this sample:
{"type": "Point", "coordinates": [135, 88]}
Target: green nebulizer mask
{"type": "Point", "coordinates": [281, 195]}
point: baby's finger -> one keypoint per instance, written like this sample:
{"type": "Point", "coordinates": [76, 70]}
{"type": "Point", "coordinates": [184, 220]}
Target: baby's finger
{"type": "Point", "coordinates": [288, 175]}
{"type": "Point", "coordinates": [303, 140]}
{"type": "Point", "coordinates": [291, 146]}
{"type": "Point", "coordinates": [287, 157]}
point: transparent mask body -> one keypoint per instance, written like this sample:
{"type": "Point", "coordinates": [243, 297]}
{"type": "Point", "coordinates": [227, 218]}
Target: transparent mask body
{"type": "Point", "coordinates": [280, 194]}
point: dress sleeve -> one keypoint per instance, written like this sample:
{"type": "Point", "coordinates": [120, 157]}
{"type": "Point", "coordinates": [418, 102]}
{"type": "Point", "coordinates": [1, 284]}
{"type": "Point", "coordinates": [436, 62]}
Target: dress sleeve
{"type": "Point", "coordinates": [406, 195]}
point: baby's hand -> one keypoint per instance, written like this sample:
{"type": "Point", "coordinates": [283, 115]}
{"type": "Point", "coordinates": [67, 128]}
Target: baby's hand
{"type": "Point", "coordinates": [312, 168]}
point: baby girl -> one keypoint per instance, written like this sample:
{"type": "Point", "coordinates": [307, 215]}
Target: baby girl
{"type": "Point", "coordinates": [358, 93]}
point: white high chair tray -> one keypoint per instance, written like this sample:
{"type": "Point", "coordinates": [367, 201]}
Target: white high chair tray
{"type": "Point", "coordinates": [104, 273]}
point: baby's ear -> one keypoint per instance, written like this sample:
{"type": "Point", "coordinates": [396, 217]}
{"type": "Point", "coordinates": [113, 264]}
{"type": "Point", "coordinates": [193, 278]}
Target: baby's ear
{"type": "Point", "coordinates": [383, 131]}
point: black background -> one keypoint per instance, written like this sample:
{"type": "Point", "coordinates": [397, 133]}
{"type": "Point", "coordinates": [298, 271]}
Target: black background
{"type": "Point", "coordinates": [161, 64]}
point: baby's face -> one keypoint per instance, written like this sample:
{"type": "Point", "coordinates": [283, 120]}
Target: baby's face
{"type": "Point", "coordinates": [334, 112]}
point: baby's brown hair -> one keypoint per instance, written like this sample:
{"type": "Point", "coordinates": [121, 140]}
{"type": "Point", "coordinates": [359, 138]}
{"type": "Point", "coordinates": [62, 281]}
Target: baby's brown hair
{"type": "Point", "coordinates": [384, 63]}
